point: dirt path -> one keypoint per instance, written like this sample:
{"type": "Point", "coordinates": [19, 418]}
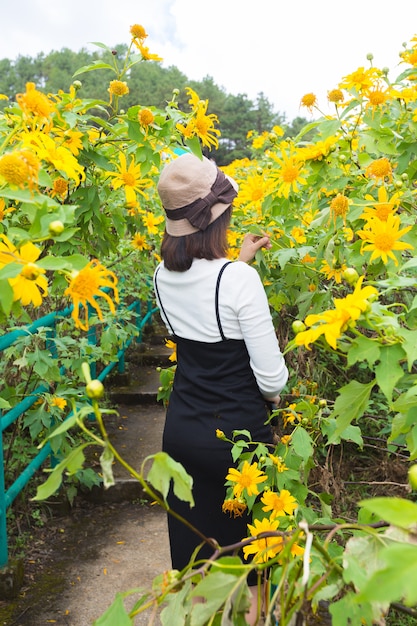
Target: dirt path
{"type": "Point", "coordinates": [111, 542]}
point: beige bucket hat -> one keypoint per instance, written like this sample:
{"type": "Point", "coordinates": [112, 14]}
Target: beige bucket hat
{"type": "Point", "coordinates": [194, 192]}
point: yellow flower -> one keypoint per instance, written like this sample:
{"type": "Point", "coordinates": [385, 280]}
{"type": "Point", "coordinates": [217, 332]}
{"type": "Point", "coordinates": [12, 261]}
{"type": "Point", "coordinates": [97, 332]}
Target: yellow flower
{"type": "Point", "coordinates": [267, 547]}
{"type": "Point", "coordinates": [234, 507]}
{"type": "Point", "coordinates": [144, 50]}
{"type": "Point", "coordinates": [138, 32]}
{"type": "Point", "coordinates": [335, 96]}
{"type": "Point", "coordinates": [383, 208]}
{"type": "Point", "coordinates": [253, 190]}
{"type": "Point", "coordinates": [139, 242]}
{"type": "Point", "coordinates": [58, 402]}
{"type": "Point", "coordinates": [361, 79]}
{"type": "Point", "coordinates": [248, 479]}
{"type": "Point", "coordinates": [407, 95]}
{"type": "Point", "coordinates": [285, 439]}
{"type": "Point", "coordinates": [316, 151]}
{"type": "Point", "coordinates": [357, 302]}
{"type": "Point", "coordinates": [290, 416]}
{"type": "Point", "coordinates": [278, 504]}
{"type": "Point", "coordinates": [278, 462]}
{"type": "Point", "coordinates": [382, 237]}
{"type": "Point", "coordinates": [376, 96]}
{"type": "Point", "coordinates": [60, 157]}
{"type": "Point", "coordinates": [86, 285]}
{"type": "Point", "coordinates": [333, 272]}
{"type": "Point", "coordinates": [289, 174]}
{"type": "Point", "coordinates": [28, 285]}
{"type": "Point", "coordinates": [72, 141]}
{"type": "Point", "coordinates": [339, 207]}
{"type": "Point", "coordinates": [330, 323]}
{"type": "Point", "coordinates": [151, 222]}
{"type": "Point", "coordinates": [59, 188]}
{"type": "Point", "coordinates": [307, 258]}
{"type": "Point", "coordinates": [34, 102]}
{"type": "Point", "coordinates": [130, 179]}
{"type": "Point", "coordinates": [298, 235]}
{"type": "Point", "coordinates": [259, 142]}
{"type": "Point", "coordinates": [172, 346]}
{"type": "Point", "coordinates": [379, 169]}
{"type": "Point", "coordinates": [309, 100]}
{"type": "Point", "coordinates": [200, 124]}
{"type": "Point", "coordinates": [145, 117]}
{"type": "Point", "coordinates": [4, 211]}
{"type": "Point", "coordinates": [19, 168]}
{"type": "Point", "coordinates": [117, 88]}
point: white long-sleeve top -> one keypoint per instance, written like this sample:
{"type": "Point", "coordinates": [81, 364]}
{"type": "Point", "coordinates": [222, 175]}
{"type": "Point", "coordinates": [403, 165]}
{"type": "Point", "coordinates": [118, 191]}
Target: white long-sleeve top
{"type": "Point", "coordinates": [188, 300]}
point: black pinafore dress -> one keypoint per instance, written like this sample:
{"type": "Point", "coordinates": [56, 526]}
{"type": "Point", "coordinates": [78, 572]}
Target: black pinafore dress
{"type": "Point", "coordinates": [214, 388]}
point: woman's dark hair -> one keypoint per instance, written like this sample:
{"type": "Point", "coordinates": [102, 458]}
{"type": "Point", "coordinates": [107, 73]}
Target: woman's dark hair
{"type": "Point", "coordinates": [178, 252]}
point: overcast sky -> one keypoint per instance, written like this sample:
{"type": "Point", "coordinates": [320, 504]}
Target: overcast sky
{"type": "Point", "coordinates": [281, 48]}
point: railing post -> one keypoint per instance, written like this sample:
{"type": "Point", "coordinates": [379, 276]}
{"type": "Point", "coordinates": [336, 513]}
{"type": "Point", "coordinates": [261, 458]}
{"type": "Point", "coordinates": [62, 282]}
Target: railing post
{"type": "Point", "coordinates": [4, 557]}
{"type": "Point", "coordinates": [92, 340]}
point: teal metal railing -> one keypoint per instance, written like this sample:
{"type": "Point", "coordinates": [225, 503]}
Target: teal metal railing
{"type": "Point", "coordinates": [7, 496]}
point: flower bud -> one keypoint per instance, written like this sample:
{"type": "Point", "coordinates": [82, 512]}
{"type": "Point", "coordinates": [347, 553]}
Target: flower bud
{"type": "Point", "coordinates": [56, 228]}
{"type": "Point", "coordinates": [95, 389]}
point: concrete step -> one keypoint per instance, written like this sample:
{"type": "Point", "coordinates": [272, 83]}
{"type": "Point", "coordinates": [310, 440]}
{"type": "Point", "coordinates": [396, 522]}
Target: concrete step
{"type": "Point", "coordinates": [135, 430]}
{"type": "Point", "coordinates": [136, 433]}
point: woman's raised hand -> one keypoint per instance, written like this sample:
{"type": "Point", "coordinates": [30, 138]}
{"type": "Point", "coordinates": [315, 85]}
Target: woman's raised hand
{"type": "Point", "coordinates": [251, 244]}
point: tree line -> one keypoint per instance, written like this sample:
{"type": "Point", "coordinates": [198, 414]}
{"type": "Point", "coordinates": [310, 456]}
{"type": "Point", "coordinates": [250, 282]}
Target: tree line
{"type": "Point", "coordinates": [150, 84]}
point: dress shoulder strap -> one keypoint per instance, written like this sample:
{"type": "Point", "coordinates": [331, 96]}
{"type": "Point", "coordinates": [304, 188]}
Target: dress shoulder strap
{"type": "Point", "coordinates": [219, 324]}
{"type": "Point", "coordinates": [160, 301]}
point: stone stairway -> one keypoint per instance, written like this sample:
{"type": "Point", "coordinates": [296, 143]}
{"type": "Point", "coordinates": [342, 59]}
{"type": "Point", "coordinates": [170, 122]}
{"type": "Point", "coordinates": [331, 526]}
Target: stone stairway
{"type": "Point", "coordinates": [136, 431]}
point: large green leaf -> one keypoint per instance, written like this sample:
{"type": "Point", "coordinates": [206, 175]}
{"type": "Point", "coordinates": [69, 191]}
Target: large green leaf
{"type": "Point", "coordinates": [363, 349]}
{"type": "Point", "coordinates": [396, 511]}
{"type": "Point", "coordinates": [350, 405]}
{"type": "Point", "coordinates": [215, 589]}
{"type": "Point", "coordinates": [397, 581]}
{"type": "Point", "coordinates": [6, 295]}
{"type": "Point", "coordinates": [302, 443]}
{"type": "Point", "coordinates": [347, 612]}
{"type": "Point", "coordinates": [73, 462]}
{"type": "Point", "coordinates": [163, 470]}
{"type": "Point", "coordinates": [115, 615]}
{"type": "Point", "coordinates": [389, 371]}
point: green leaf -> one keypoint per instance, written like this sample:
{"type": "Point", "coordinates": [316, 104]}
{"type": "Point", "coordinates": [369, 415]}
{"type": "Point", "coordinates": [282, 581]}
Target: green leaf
{"type": "Point", "coordinates": [4, 404]}
{"type": "Point", "coordinates": [411, 441]}
{"type": "Point", "coordinates": [10, 271]}
{"type": "Point", "coordinates": [97, 65]}
{"type": "Point", "coordinates": [396, 511]}
{"type": "Point", "coordinates": [397, 580]}
{"type": "Point", "coordinates": [363, 349]}
{"type": "Point", "coordinates": [409, 345]}
{"type": "Point", "coordinates": [72, 462]}
{"type": "Point", "coordinates": [106, 462]}
{"type": "Point", "coordinates": [284, 256]}
{"type": "Point", "coordinates": [75, 261]}
{"type": "Point", "coordinates": [302, 443]}
{"type": "Point", "coordinates": [215, 588]}
{"type": "Point", "coordinates": [115, 614]}
{"type": "Point", "coordinates": [195, 146]}
{"type": "Point", "coordinates": [163, 470]}
{"type": "Point", "coordinates": [347, 612]}
{"type": "Point", "coordinates": [350, 405]}
{"type": "Point", "coordinates": [361, 558]}
{"type": "Point", "coordinates": [389, 371]}
{"type": "Point", "coordinates": [175, 613]}
{"type": "Point", "coordinates": [6, 296]}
